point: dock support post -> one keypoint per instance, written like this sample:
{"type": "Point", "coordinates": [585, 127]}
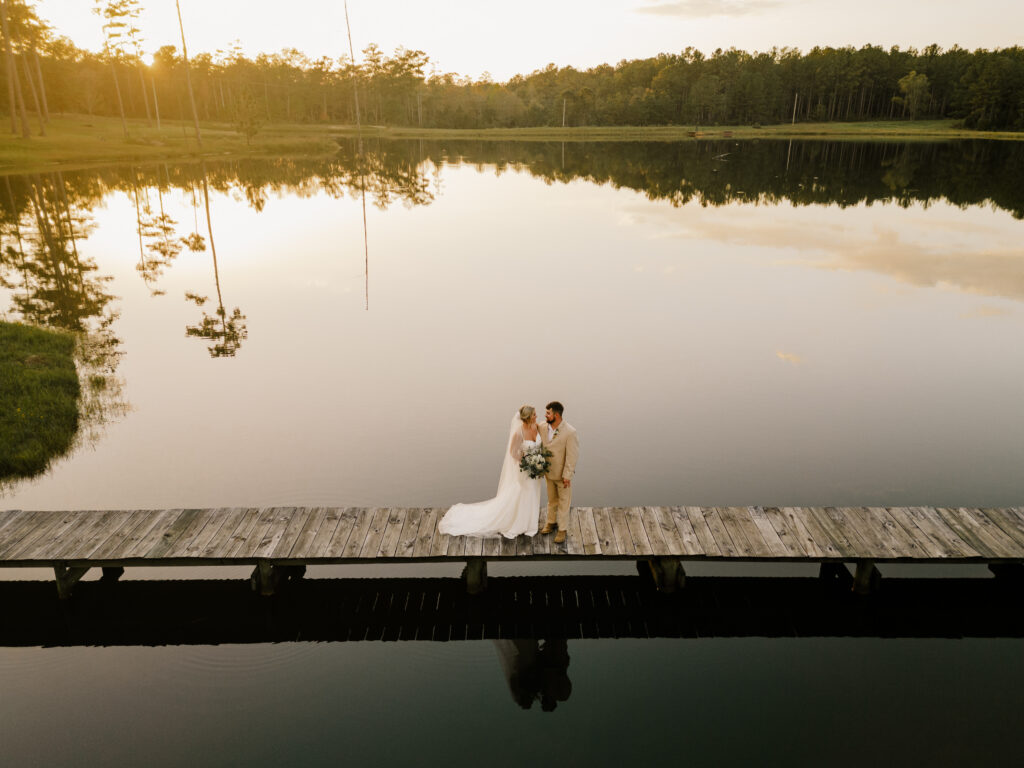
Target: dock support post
{"type": "Point", "coordinates": [475, 575]}
{"type": "Point", "coordinates": [264, 578]}
{"type": "Point", "coordinates": [1010, 572]}
{"type": "Point", "coordinates": [668, 574]}
{"type": "Point", "coordinates": [67, 578]}
{"type": "Point", "coordinates": [112, 573]}
{"type": "Point", "coordinates": [866, 578]}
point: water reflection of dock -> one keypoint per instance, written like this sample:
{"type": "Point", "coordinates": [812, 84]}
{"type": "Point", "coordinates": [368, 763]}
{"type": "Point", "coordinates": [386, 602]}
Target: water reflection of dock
{"type": "Point", "coordinates": [281, 541]}
{"type": "Point", "coordinates": [530, 608]}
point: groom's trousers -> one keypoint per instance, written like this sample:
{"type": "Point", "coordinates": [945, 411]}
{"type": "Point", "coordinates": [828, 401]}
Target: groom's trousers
{"type": "Point", "coordinates": [558, 504]}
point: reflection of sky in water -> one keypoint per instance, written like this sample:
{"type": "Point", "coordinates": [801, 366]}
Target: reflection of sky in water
{"type": "Point", "coordinates": [729, 355]}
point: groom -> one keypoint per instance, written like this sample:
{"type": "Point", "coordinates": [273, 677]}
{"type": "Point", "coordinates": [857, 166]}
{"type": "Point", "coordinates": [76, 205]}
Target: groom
{"type": "Point", "coordinates": [560, 438]}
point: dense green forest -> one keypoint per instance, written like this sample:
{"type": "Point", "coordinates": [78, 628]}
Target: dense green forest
{"type": "Point", "coordinates": [985, 89]}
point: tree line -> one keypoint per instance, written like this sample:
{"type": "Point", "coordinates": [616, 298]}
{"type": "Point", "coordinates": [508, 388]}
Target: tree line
{"type": "Point", "coordinates": [46, 72]}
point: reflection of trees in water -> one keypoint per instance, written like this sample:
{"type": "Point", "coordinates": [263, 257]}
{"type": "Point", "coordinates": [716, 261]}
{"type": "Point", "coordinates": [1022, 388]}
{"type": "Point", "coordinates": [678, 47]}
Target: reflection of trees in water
{"type": "Point", "coordinates": [159, 244]}
{"type": "Point", "coordinates": [54, 285]}
{"type": "Point", "coordinates": [801, 172]}
{"type": "Point", "coordinates": [225, 330]}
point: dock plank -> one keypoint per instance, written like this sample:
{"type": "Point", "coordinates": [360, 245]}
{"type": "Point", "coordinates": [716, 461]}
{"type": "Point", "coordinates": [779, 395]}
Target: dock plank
{"type": "Point", "coordinates": [620, 530]}
{"type": "Point", "coordinates": [928, 544]}
{"type": "Point", "coordinates": [827, 534]}
{"type": "Point", "coordinates": [348, 517]}
{"type": "Point", "coordinates": [662, 519]}
{"type": "Point", "coordinates": [507, 547]}
{"type": "Point", "coordinates": [440, 542]}
{"type": "Point", "coordinates": [145, 537]}
{"type": "Point", "coordinates": [805, 538]}
{"type": "Point", "coordinates": [892, 533]}
{"type": "Point", "coordinates": [254, 539]}
{"type": "Point", "coordinates": [425, 537]}
{"type": "Point", "coordinates": [928, 520]}
{"type": "Point", "coordinates": [36, 527]}
{"type": "Point", "coordinates": [574, 533]}
{"type": "Point", "coordinates": [492, 546]}
{"type": "Point", "coordinates": [856, 521]}
{"type": "Point", "coordinates": [410, 533]}
{"type": "Point", "coordinates": [474, 546]}
{"type": "Point", "coordinates": [786, 542]}
{"type": "Point", "coordinates": [637, 532]}
{"type": "Point", "coordinates": [716, 525]}
{"type": "Point", "coordinates": [190, 535]}
{"type": "Point", "coordinates": [743, 531]}
{"type": "Point", "coordinates": [48, 534]}
{"type": "Point", "coordinates": [652, 528]}
{"type": "Point", "coordinates": [392, 532]}
{"type": "Point", "coordinates": [106, 548]}
{"type": "Point", "coordinates": [1010, 521]}
{"type": "Point", "coordinates": [220, 540]}
{"type": "Point", "coordinates": [291, 533]}
{"type": "Point", "coordinates": [980, 532]}
{"type": "Point", "coordinates": [317, 548]}
{"type": "Point", "coordinates": [699, 525]}
{"type": "Point", "coordinates": [280, 519]}
{"type": "Point", "coordinates": [168, 538]}
{"type": "Point", "coordinates": [588, 529]}
{"type": "Point", "coordinates": [605, 534]}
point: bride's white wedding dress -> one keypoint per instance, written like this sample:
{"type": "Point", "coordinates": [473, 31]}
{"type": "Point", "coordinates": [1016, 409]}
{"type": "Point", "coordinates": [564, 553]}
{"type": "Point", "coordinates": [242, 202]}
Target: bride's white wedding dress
{"type": "Point", "coordinates": [515, 510]}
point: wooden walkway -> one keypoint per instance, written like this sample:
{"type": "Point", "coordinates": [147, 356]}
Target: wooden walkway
{"type": "Point", "coordinates": [299, 536]}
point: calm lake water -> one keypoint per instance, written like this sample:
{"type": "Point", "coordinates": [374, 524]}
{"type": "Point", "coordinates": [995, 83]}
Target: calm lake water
{"type": "Point", "coordinates": [726, 323]}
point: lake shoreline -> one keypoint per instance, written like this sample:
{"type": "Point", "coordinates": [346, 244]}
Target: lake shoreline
{"type": "Point", "coordinates": [79, 141]}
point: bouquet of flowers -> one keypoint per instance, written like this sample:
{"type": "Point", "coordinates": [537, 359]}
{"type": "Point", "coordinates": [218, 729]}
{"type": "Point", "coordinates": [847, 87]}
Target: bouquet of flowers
{"type": "Point", "coordinates": [536, 461]}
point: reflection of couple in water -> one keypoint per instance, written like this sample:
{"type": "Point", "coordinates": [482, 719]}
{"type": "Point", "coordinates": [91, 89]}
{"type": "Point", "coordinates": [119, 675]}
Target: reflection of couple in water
{"type": "Point", "coordinates": [536, 671]}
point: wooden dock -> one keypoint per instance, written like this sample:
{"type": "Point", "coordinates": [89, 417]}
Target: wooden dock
{"type": "Point", "coordinates": [278, 540]}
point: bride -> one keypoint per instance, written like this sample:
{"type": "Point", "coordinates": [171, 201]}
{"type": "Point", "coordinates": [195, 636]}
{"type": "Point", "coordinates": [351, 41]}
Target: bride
{"type": "Point", "coordinates": [515, 509]}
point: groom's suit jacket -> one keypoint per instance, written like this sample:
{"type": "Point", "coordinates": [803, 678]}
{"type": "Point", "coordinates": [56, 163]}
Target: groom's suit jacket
{"type": "Point", "coordinates": [565, 446]}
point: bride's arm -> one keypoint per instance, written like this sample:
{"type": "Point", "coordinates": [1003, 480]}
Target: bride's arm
{"type": "Point", "coordinates": [515, 447]}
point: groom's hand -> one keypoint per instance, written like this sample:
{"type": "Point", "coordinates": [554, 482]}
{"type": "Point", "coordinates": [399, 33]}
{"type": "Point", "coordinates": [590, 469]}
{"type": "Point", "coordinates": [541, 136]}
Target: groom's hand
{"type": "Point", "coordinates": [566, 483]}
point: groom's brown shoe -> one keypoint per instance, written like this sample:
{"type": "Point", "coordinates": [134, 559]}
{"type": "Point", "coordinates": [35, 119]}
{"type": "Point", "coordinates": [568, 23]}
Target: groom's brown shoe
{"type": "Point", "coordinates": [548, 528]}
{"type": "Point", "coordinates": [560, 536]}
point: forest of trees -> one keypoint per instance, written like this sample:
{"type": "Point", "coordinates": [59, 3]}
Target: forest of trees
{"type": "Point", "coordinates": [984, 89]}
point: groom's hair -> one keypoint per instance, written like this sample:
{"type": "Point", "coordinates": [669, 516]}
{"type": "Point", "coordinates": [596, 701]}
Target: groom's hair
{"type": "Point", "coordinates": [556, 406]}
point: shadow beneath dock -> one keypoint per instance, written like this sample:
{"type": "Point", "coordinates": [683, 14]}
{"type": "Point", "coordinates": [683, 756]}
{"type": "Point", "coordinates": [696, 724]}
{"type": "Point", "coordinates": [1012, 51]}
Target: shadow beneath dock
{"type": "Point", "coordinates": [332, 610]}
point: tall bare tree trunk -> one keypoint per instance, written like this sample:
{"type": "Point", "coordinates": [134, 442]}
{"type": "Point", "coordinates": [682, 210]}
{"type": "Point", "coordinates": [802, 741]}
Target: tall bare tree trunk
{"type": "Point", "coordinates": [42, 86]}
{"type": "Point", "coordinates": [10, 74]}
{"type": "Point", "coordinates": [188, 76]}
{"type": "Point", "coordinates": [31, 85]}
{"type": "Point", "coordinates": [117, 89]}
{"type": "Point", "coordinates": [13, 82]}
{"type": "Point", "coordinates": [156, 104]}
{"type": "Point", "coordinates": [145, 98]}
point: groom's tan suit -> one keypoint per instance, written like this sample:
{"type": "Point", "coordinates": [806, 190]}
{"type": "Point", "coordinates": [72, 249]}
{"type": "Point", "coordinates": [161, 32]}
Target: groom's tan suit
{"type": "Point", "coordinates": [565, 447]}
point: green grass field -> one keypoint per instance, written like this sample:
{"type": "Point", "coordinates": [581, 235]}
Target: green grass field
{"type": "Point", "coordinates": [75, 141]}
{"type": "Point", "coordinates": [39, 393]}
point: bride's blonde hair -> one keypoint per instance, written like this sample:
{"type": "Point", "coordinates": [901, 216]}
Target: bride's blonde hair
{"type": "Point", "coordinates": [526, 412]}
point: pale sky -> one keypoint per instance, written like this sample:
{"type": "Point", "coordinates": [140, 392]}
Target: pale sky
{"type": "Point", "coordinates": [504, 38]}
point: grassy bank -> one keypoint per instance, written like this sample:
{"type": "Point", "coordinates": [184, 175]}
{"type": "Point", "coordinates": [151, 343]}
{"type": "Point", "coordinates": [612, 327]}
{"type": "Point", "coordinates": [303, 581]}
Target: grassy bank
{"type": "Point", "coordinates": [925, 130]}
{"type": "Point", "coordinates": [39, 394]}
{"type": "Point", "coordinates": [81, 141]}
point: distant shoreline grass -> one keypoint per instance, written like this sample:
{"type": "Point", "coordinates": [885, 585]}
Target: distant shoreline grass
{"type": "Point", "coordinates": [80, 141]}
{"type": "Point", "coordinates": [39, 393]}
{"type": "Point", "coordinates": [925, 130]}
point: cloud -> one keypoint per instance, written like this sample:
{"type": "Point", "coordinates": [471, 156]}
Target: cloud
{"type": "Point", "coordinates": [988, 264]}
{"type": "Point", "coordinates": [986, 310]}
{"type": "Point", "coordinates": [699, 9]}
{"type": "Point", "coordinates": [789, 358]}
